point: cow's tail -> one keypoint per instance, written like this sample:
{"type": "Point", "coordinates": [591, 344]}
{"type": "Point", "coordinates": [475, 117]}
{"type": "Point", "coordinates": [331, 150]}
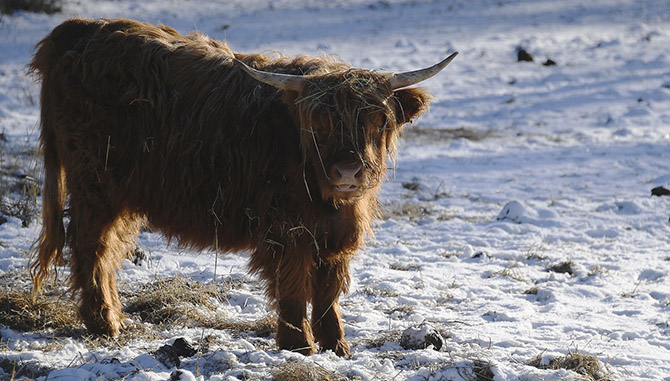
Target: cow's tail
{"type": "Point", "coordinates": [52, 236]}
{"type": "Point", "coordinates": [49, 246]}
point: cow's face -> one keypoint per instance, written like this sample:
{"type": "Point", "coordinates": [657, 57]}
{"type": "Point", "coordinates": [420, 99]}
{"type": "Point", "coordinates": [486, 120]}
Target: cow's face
{"type": "Point", "coordinates": [349, 121]}
{"type": "Point", "coordinates": [349, 124]}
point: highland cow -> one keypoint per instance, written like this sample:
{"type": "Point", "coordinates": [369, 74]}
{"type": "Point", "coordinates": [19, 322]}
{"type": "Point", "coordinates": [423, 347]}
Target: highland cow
{"type": "Point", "coordinates": [279, 156]}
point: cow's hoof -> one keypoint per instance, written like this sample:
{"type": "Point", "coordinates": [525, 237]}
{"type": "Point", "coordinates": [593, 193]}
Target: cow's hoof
{"type": "Point", "coordinates": [304, 349]}
{"type": "Point", "coordinates": [97, 325]}
{"type": "Point", "coordinates": [341, 348]}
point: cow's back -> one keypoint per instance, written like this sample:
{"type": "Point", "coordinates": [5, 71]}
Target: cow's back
{"type": "Point", "coordinates": [167, 126]}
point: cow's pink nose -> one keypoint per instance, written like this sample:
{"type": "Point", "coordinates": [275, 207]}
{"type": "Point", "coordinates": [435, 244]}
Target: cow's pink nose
{"type": "Point", "coordinates": [346, 178]}
{"type": "Point", "coordinates": [353, 173]}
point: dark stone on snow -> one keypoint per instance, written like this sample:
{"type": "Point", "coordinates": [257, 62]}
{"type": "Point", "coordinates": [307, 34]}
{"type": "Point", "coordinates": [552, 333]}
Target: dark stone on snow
{"type": "Point", "coordinates": [183, 348]}
{"type": "Point", "coordinates": [168, 356]}
{"type": "Point", "coordinates": [549, 62]}
{"type": "Point", "coordinates": [563, 268]}
{"type": "Point", "coordinates": [523, 55]}
{"type": "Point", "coordinates": [660, 191]}
{"type": "Point", "coordinates": [421, 337]}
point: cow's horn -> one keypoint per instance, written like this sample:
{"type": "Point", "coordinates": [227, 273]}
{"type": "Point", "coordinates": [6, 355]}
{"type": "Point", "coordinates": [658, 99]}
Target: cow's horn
{"type": "Point", "coordinates": [413, 77]}
{"type": "Point", "coordinates": [280, 81]}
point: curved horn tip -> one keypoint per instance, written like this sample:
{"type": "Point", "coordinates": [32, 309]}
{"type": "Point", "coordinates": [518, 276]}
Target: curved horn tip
{"type": "Point", "coordinates": [401, 80]}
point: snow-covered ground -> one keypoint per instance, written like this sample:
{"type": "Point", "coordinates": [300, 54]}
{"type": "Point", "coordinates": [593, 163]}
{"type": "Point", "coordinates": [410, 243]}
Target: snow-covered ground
{"type": "Point", "coordinates": [518, 167]}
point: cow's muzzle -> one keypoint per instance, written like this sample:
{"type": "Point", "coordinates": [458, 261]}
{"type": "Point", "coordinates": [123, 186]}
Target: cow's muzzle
{"type": "Point", "coordinates": [346, 177]}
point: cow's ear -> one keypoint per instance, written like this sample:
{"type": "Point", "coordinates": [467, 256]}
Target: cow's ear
{"type": "Point", "coordinates": [410, 103]}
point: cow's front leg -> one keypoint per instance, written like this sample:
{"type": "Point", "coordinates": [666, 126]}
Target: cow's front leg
{"type": "Point", "coordinates": [293, 330]}
{"type": "Point", "coordinates": [329, 280]}
{"type": "Point", "coordinates": [287, 277]}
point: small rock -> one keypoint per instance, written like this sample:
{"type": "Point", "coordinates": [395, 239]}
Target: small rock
{"type": "Point", "coordinates": [183, 348]}
{"type": "Point", "coordinates": [168, 356]}
{"type": "Point", "coordinates": [523, 55]}
{"type": "Point", "coordinates": [567, 267]}
{"type": "Point", "coordinates": [549, 62]}
{"type": "Point", "coordinates": [421, 337]}
{"type": "Point", "coordinates": [413, 186]}
{"type": "Point", "coordinates": [660, 191]}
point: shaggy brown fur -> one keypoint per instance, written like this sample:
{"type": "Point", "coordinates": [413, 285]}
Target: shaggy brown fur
{"type": "Point", "coordinates": [140, 123]}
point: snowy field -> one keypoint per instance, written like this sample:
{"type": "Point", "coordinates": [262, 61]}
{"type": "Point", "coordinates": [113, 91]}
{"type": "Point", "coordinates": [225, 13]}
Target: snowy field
{"type": "Point", "coordinates": [518, 222]}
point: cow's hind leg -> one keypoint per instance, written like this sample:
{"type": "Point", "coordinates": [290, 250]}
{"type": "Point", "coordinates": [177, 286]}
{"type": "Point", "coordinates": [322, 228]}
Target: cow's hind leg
{"type": "Point", "coordinates": [98, 239]}
{"type": "Point", "coordinates": [329, 281]}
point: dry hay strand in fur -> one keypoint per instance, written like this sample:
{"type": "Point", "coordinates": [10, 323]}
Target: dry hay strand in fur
{"type": "Point", "coordinates": [20, 312]}
{"type": "Point", "coordinates": [301, 371]}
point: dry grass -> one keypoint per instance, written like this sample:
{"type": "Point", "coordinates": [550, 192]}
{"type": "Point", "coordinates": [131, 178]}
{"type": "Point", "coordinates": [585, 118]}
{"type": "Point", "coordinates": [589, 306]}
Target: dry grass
{"type": "Point", "coordinates": [301, 371]}
{"type": "Point", "coordinates": [175, 301]}
{"type": "Point", "coordinates": [378, 341]}
{"type": "Point", "coordinates": [20, 312]}
{"type": "Point", "coordinates": [510, 272]}
{"type": "Point", "coordinates": [16, 369]}
{"type": "Point", "coordinates": [262, 328]}
{"type": "Point", "coordinates": [181, 301]}
{"type": "Point", "coordinates": [587, 366]}
{"type": "Point", "coordinates": [482, 370]}
{"type": "Point", "coordinates": [19, 187]}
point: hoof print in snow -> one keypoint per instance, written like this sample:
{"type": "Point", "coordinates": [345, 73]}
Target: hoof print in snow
{"type": "Point", "coordinates": [167, 356]}
{"type": "Point", "coordinates": [522, 55]}
{"type": "Point", "coordinates": [658, 191]}
{"type": "Point", "coordinates": [421, 337]}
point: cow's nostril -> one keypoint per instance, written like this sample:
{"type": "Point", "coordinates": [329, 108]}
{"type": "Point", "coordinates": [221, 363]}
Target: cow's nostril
{"type": "Point", "coordinates": [347, 173]}
{"type": "Point", "coordinates": [336, 173]}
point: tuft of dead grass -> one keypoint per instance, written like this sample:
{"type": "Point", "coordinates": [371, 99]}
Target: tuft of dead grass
{"type": "Point", "coordinates": [510, 272]}
{"type": "Point", "coordinates": [262, 328]}
{"type": "Point", "coordinates": [483, 370]}
{"type": "Point", "coordinates": [181, 301]}
{"type": "Point", "coordinates": [586, 365]}
{"type": "Point", "coordinates": [175, 300]}
{"type": "Point", "coordinates": [19, 184]}
{"type": "Point", "coordinates": [20, 312]}
{"type": "Point", "coordinates": [302, 371]}
{"type": "Point", "coordinates": [16, 369]}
